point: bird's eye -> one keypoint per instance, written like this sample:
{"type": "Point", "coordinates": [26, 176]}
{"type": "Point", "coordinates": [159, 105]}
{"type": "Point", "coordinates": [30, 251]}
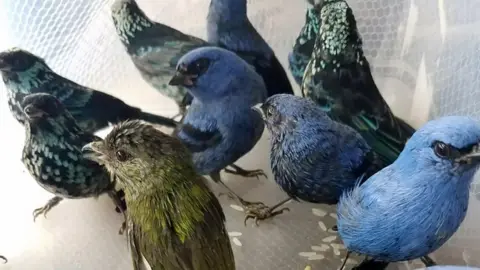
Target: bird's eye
{"type": "Point", "coordinates": [200, 66]}
{"type": "Point", "coordinates": [269, 111]}
{"type": "Point", "coordinates": [442, 150]}
{"type": "Point", "coordinates": [122, 155]}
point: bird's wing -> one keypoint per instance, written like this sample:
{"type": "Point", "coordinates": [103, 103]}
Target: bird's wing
{"type": "Point", "coordinates": [198, 131]}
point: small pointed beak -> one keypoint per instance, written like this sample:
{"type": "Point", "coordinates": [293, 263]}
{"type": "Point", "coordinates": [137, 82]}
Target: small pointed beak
{"type": "Point", "coordinates": [182, 79]}
{"type": "Point", "coordinates": [473, 157]}
{"type": "Point", "coordinates": [93, 152]}
{"type": "Point", "coordinates": [258, 109]}
{"type": "Point", "coordinates": [32, 112]}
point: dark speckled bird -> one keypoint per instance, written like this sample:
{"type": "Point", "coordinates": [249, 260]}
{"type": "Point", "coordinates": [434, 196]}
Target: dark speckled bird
{"type": "Point", "coordinates": [154, 48]}
{"type": "Point", "coordinates": [25, 73]}
{"type": "Point", "coordinates": [339, 79]}
{"type": "Point", "coordinates": [229, 27]}
{"type": "Point", "coordinates": [52, 154]}
{"type": "Point", "coordinates": [302, 49]}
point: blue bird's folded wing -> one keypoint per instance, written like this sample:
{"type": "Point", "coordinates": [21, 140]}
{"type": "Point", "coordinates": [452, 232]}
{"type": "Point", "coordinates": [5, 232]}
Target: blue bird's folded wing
{"type": "Point", "coordinates": [198, 140]}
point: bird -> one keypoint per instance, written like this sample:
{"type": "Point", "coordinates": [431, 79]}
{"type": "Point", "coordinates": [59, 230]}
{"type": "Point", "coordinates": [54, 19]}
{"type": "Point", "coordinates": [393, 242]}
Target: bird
{"type": "Point", "coordinates": [412, 207]}
{"type": "Point", "coordinates": [154, 48]}
{"type": "Point", "coordinates": [228, 27]}
{"type": "Point", "coordinates": [220, 126]}
{"type": "Point", "coordinates": [302, 49]}
{"type": "Point", "coordinates": [26, 73]}
{"type": "Point", "coordinates": [338, 78]}
{"type": "Point", "coordinates": [53, 157]}
{"type": "Point", "coordinates": [313, 158]}
{"type": "Point", "coordinates": [174, 220]}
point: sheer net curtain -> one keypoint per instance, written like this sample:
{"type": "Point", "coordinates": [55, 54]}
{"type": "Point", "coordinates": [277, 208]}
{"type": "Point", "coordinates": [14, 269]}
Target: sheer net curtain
{"type": "Point", "coordinates": [425, 61]}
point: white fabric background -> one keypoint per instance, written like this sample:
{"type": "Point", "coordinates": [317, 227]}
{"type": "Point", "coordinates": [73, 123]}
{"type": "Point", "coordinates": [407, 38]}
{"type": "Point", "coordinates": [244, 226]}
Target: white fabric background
{"type": "Point", "coordinates": [425, 60]}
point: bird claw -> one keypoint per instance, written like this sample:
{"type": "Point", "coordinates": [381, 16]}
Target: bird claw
{"type": "Point", "coordinates": [246, 173]}
{"type": "Point", "coordinates": [122, 228]}
{"type": "Point", "coordinates": [261, 212]}
{"type": "Point", "coordinates": [41, 210]}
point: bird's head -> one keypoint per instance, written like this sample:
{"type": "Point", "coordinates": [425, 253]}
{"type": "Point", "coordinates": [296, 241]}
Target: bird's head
{"type": "Point", "coordinates": [139, 154]}
{"type": "Point", "coordinates": [211, 72]}
{"type": "Point", "coordinates": [284, 113]}
{"type": "Point", "coordinates": [19, 60]}
{"type": "Point", "coordinates": [450, 143]}
{"type": "Point", "coordinates": [128, 19]}
{"type": "Point", "coordinates": [42, 106]}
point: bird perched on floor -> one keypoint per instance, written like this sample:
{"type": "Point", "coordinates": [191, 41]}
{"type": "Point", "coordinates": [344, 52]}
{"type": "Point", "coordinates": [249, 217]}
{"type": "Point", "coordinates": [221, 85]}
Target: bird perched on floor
{"type": "Point", "coordinates": [302, 49]}
{"type": "Point", "coordinates": [313, 158]}
{"type": "Point", "coordinates": [339, 79]}
{"type": "Point", "coordinates": [25, 73]}
{"type": "Point", "coordinates": [174, 220]}
{"type": "Point", "coordinates": [220, 126]}
{"type": "Point", "coordinates": [451, 267]}
{"type": "Point", "coordinates": [412, 207]}
{"type": "Point", "coordinates": [154, 48]}
{"type": "Point", "coordinates": [229, 27]}
{"type": "Point", "coordinates": [52, 154]}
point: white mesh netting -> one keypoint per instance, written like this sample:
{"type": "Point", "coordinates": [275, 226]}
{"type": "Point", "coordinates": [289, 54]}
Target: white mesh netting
{"type": "Point", "coordinates": [425, 60]}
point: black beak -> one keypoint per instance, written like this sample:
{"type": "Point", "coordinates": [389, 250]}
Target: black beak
{"type": "Point", "coordinates": [472, 157]}
{"type": "Point", "coordinates": [259, 110]}
{"type": "Point", "coordinates": [182, 79]}
{"type": "Point", "coordinates": [33, 112]}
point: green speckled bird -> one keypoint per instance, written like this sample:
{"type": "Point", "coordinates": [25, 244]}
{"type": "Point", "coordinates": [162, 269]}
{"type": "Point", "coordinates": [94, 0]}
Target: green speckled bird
{"type": "Point", "coordinates": [53, 156]}
{"type": "Point", "coordinates": [154, 48]}
{"type": "Point", "coordinates": [339, 79]}
{"type": "Point", "coordinates": [174, 220]}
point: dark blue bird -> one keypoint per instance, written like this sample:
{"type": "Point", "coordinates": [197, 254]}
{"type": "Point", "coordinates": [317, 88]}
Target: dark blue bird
{"type": "Point", "coordinates": [339, 79]}
{"type": "Point", "coordinates": [229, 27]}
{"type": "Point", "coordinates": [412, 207]}
{"type": "Point", "coordinates": [154, 48]}
{"type": "Point", "coordinates": [302, 49]}
{"type": "Point", "coordinates": [220, 127]}
{"type": "Point", "coordinates": [52, 154]}
{"type": "Point", "coordinates": [25, 73]}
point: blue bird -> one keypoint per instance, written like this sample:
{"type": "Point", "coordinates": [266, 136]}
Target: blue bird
{"type": "Point", "coordinates": [220, 126]}
{"type": "Point", "coordinates": [154, 48]}
{"type": "Point", "coordinates": [25, 73]}
{"type": "Point", "coordinates": [52, 154]}
{"type": "Point", "coordinates": [412, 207]}
{"type": "Point", "coordinates": [339, 79]}
{"type": "Point", "coordinates": [312, 157]}
{"type": "Point", "coordinates": [228, 27]}
{"type": "Point", "coordinates": [451, 267]}
{"type": "Point", "coordinates": [302, 49]}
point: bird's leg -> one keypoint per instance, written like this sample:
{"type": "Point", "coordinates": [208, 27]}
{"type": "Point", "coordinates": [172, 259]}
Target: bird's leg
{"type": "Point", "coordinates": [120, 205]}
{"type": "Point", "coordinates": [428, 261]}
{"type": "Point", "coordinates": [48, 206]}
{"type": "Point", "coordinates": [345, 261]}
{"type": "Point", "coordinates": [263, 212]}
{"type": "Point", "coordinates": [246, 204]}
{"type": "Point", "coordinates": [3, 258]}
{"type": "Point", "coordinates": [240, 171]}
{"type": "Point", "coordinates": [113, 194]}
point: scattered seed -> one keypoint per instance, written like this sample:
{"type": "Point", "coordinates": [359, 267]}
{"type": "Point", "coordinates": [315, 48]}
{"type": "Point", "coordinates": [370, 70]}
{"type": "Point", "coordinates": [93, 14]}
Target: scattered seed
{"type": "Point", "coordinates": [333, 215]}
{"type": "Point", "coordinates": [351, 261]}
{"type": "Point", "coordinates": [329, 239]}
{"type": "Point", "coordinates": [337, 246]}
{"type": "Point", "coordinates": [319, 212]}
{"type": "Point", "coordinates": [307, 254]}
{"type": "Point", "coordinates": [316, 257]}
{"type": "Point", "coordinates": [322, 247]}
{"type": "Point", "coordinates": [237, 242]}
{"type": "Point", "coordinates": [336, 252]}
{"type": "Point", "coordinates": [235, 234]}
{"type": "Point", "coordinates": [236, 207]}
{"type": "Point", "coordinates": [308, 267]}
{"type": "Point", "coordinates": [322, 226]}
{"type": "Point", "coordinates": [331, 231]}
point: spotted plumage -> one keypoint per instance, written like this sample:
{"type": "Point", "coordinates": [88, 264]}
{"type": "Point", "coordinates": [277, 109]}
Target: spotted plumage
{"type": "Point", "coordinates": [25, 73]}
{"type": "Point", "coordinates": [339, 79]}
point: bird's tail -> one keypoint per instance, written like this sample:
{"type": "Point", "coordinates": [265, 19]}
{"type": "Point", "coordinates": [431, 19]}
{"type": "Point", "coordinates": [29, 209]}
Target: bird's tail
{"type": "Point", "coordinates": [157, 119]}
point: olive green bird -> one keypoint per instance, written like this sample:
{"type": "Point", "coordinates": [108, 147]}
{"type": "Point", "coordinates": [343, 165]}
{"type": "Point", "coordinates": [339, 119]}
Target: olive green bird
{"type": "Point", "coordinates": [174, 220]}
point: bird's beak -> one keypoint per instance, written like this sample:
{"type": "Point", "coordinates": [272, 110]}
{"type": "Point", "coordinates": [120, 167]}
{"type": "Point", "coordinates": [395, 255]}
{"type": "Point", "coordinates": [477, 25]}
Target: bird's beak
{"type": "Point", "coordinates": [32, 112]}
{"type": "Point", "coordinates": [472, 157]}
{"type": "Point", "coordinates": [93, 151]}
{"type": "Point", "coordinates": [258, 109]}
{"type": "Point", "coordinates": [182, 79]}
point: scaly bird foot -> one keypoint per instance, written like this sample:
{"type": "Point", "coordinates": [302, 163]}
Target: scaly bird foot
{"type": "Point", "coordinates": [245, 173]}
{"type": "Point", "coordinates": [122, 228]}
{"type": "Point", "coordinates": [45, 209]}
{"type": "Point", "coordinates": [259, 211]}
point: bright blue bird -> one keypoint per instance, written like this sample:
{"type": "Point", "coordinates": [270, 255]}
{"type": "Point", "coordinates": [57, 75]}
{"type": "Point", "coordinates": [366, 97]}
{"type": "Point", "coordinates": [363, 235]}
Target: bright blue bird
{"type": "Point", "coordinates": [412, 207]}
{"type": "Point", "coordinates": [220, 126]}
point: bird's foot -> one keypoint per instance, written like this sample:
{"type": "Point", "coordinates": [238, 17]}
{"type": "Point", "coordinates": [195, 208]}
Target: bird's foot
{"type": "Point", "coordinates": [45, 209]}
{"type": "Point", "coordinates": [3, 258]}
{"type": "Point", "coordinates": [259, 211]}
{"type": "Point", "coordinates": [245, 173]}
{"type": "Point", "coordinates": [122, 228]}
{"type": "Point", "coordinates": [120, 202]}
